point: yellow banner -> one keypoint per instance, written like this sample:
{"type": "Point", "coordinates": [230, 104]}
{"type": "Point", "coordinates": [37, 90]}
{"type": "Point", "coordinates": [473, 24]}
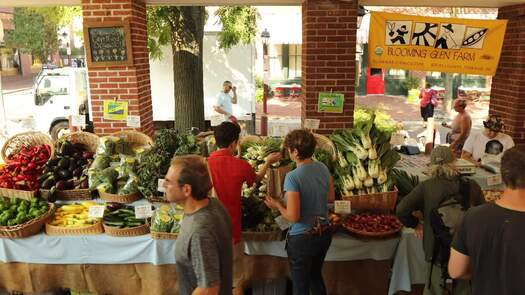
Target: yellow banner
{"type": "Point", "coordinates": [435, 44]}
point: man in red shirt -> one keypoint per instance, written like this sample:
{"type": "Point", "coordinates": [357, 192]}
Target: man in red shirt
{"type": "Point", "coordinates": [228, 175]}
{"type": "Point", "coordinates": [428, 102]}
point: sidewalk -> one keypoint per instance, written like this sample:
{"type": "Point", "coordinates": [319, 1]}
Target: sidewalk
{"type": "Point", "coordinates": [14, 84]}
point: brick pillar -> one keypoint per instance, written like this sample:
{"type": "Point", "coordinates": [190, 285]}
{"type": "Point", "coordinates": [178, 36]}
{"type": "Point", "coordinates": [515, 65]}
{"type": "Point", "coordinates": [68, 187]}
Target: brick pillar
{"type": "Point", "coordinates": [328, 59]}
{"type": "Point", "coordinates": [126, 83]}
{"type": "Point", "coordinates": [508, 85]}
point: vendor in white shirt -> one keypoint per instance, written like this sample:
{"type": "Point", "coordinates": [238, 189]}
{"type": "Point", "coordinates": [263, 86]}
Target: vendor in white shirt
{"type": "Point", "coordinates": [224, 102]}
{"type": "Point", "coordinates": [489, 145]}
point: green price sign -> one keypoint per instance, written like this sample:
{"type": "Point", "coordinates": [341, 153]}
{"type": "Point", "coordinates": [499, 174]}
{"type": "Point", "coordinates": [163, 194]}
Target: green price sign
{"type": "Point", "coordinates": [330, 102]}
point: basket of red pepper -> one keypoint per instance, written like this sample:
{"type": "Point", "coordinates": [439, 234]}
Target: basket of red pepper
{"type": "Point", "coordinates": [25, 155]}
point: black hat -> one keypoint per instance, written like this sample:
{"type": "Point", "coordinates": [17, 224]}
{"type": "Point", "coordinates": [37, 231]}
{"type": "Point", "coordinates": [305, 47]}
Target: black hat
{"type": "Point", "coordinates": [494, 123]}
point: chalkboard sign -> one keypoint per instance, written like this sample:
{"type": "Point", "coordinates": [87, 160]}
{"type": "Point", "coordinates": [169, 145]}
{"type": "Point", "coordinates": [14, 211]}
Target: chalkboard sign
{"type": "Point", "coordinates": [108, 43]}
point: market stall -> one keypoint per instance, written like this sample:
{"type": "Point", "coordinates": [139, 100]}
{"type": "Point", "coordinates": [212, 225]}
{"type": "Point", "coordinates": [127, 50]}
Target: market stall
{"type": "Point", "coordinates": [69, 246]}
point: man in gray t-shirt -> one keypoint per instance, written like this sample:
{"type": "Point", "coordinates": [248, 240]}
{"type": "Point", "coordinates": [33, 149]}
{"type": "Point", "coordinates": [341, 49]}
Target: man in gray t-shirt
{"type": "Point", "coordinates": [203, 251]}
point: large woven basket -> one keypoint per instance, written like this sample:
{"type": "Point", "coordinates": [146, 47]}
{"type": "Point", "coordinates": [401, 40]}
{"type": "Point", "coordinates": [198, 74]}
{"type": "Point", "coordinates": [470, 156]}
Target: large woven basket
{"type": "Point", "coordinates": [89, 140]}
{"type": "Point", "coordinates": [326, 144]}
{"type": "Point", "coordinates": [156, 199]}
{"type": "Point", "coordinates": [29, 228]}
{"type": "Point", "coordinates": [68, 195]}
{"type": "Point", "coordinates": [372, 235]}
{"type": "Point", "coordinates": [136, 138]}
{"type": "Point", "coordinates": [163, 236]}
{"type": "Point", "coordinates": [250, 139]}
{"type": "Point", "coordinates": [119, 198]}
{"type": "Point", "coordinates": [126, 232]}
{"type": "Point", "coordinates": [16, 193]}
{"type": "Point", "coordinates": [385, 201]}
{"type": "Point", "coordinates": [94, 229]}
{"type": "Point", "coordinates": [262, 236]}
{"type": "Point", "coordinates": [15, 143]}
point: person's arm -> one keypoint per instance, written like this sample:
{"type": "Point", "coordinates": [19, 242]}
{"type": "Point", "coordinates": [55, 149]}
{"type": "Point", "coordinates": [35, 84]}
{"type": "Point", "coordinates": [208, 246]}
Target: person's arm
{"type": "Point", "coordinates": [234, 98]}
{"type": "Point", "coordinates": [272, 158]}
{"type": "Point", "coordinates": [206, 263]}
{"type": "Point", "coordinates": [410, 203]}
{"type": "Point", "coordinates": [459, 262]}
{"type": "Point", "coordinates": [221, 111]}
{"type": "Point", "coordinates": [468, 150]}
{"type": "Point", "coordinates": [459, 265]}
{"type": "Point", "coordinates": [292, 210]}
{"type": "Point", "coordinates": [465, 130]}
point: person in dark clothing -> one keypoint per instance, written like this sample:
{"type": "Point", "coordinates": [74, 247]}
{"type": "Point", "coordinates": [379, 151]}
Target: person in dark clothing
{"type": "Point", "coordinates": [488, 246]}
{"type": "Point", "coordinates": [443, 184]}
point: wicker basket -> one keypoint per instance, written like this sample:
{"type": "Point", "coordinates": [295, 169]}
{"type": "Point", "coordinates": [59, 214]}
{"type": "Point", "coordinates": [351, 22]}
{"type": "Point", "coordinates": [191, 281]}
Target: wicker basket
{"type": "Point", "coordinates": [155, 199]}
{"type": "Point", "coordinates": [16, 193]}
{"type": "Point", "coordinates": [15, 143]}
{"type": "Point", "coordinates": [89, 140]}
{"type": "Point", "coordinates": [262, 236]}
{"type": "Point", "coordinates": [163, 236]}
{"type": "Point", "coordinates": [94, 229]}
{"type": "Point", "coordinates": [136, 138]}
{"type": "Point", "coordinates": [386, 200]}
{"type": "Point", "coordinates": [326, 144]}
{"type": "Point", "coordinates": [250, 138]}
{"type": "Point", "coordinates": [68, 195]}
{"type": "Point", "coordinates": [29, 228]}
{"type": "Point", "coordinates": [372, 235]}
{"type": "Point", "coordinates": [119, 198]}
{"type": "Point", "coordinates": [126, 232]}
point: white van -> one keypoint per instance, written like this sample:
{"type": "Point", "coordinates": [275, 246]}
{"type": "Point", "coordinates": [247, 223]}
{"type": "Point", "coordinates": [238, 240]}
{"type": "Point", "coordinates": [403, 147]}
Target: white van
{"type": "Point", "coordinates": [59, 93]}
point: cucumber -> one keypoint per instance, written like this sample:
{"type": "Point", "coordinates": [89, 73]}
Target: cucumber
{"type": "Point", "coordinates": [114, 223]}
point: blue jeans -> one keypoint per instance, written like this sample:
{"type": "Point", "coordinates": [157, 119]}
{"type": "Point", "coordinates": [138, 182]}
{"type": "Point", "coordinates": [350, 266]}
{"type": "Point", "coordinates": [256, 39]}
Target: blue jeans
{"type": "Point", "coordinates": [306, 255]}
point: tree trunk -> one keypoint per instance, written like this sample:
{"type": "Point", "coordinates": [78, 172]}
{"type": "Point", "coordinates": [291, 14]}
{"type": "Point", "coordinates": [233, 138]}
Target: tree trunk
{"type": "Point", "coordinates": [188, 74]}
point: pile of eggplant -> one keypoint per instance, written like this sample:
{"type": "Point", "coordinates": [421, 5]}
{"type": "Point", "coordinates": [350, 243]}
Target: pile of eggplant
{"type": "Point", "coordinates": [67, 169]}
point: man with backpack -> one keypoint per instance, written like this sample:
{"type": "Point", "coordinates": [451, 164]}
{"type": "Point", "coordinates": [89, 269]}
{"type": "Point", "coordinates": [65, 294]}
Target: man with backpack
{"type": "Point", "coordinates": [443, 199]}
{"type": "Point", "coordinates": [489, 244]}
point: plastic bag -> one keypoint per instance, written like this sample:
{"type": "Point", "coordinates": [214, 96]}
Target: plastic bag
{"type": "Point", "coordinates": [107, 145]}
{"type": "Point", "coordinates": [101, 162]}
{"type": "Point", "coordinates": [130, 187]}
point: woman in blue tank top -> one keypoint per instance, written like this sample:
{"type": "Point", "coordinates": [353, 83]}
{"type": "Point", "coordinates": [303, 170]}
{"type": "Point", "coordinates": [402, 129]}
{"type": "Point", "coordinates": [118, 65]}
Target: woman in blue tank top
{"type": "Point", "coordinates": [308, 189]}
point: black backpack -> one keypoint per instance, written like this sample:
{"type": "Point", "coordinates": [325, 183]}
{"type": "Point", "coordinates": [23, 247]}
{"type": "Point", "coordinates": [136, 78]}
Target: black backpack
{"type": "Point", "coordinates": [445, 220]}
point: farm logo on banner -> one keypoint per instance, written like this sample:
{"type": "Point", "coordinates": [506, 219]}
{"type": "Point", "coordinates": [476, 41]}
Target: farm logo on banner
{"type": "Point", "coordinates": [435, 44]}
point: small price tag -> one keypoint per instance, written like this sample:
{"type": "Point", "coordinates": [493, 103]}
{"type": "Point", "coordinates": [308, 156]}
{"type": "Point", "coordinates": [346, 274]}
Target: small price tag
{"type": "Point", "coordinates": [282, 222]}
{"type": "Point", "coordinates": [397, 139]}
{"type": "Point", "coordinates": [494, 180]}
{"type": "Point", "coordinates": [96, 211]}
{"type": "Point", "coordinates": [143, 211]}
{"type": "Point", "coordinates": [78, 120]}
{"type": "Point", "coordinates": [133, 121]}
{"type": "Point", "coordinates": [312, 124]}
{"type": "Point", "coordinates": [342, 207]}
{"type": "Point", "coordinates": [160, 185]}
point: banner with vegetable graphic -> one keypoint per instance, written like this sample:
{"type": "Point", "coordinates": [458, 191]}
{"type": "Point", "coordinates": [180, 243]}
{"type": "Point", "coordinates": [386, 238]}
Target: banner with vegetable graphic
{"type": "Point", "coordinates": [454, 45]}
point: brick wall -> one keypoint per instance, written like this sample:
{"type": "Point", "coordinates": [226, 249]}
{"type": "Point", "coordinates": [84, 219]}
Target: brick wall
{"type": "Point", "coordinates": [126, 83]}
{"type": "Point", "coordinates": [508, 85]}
{"type": "Point", "coordinates": [328, 58]}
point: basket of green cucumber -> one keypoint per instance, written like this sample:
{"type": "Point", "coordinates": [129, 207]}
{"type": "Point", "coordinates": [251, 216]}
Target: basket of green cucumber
{"type": "Point", "coordinates": [120, 221]}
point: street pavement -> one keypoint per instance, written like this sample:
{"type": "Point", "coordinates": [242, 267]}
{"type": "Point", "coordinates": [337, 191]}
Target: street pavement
{"type": "Point", "coordinates": [289, 112]}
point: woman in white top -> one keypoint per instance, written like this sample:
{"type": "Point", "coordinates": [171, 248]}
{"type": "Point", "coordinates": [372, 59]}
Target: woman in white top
{"type": "Point", "coordinates": [489, 145]}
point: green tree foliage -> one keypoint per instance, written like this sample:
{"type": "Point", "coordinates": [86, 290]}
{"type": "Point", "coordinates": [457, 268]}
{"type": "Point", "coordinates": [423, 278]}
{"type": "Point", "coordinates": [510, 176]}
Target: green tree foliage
{"type": "Point", "coordinates": [239, 25]}
{"type": "Point", "coordinates": [183, 28]}
{"type": "Point", "coordinates": [36, 29]}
